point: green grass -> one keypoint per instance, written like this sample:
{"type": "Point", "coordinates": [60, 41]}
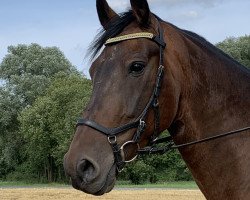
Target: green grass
{"type": "Point", "coordinates": [119, 184]}
{"type": "Point", "coordinates": [26, 184]}
{"type": "Point", "coordinates": [171, 185]}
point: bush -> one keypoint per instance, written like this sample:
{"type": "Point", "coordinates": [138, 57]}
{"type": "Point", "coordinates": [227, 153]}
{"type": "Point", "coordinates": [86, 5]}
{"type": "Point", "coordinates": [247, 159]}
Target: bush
{"type": "Point", "coordinates": [139, 172]}
{"type": "Point", "coordinates": [22, 173]}
{"type": "Point", "coordinates": [157, 168]}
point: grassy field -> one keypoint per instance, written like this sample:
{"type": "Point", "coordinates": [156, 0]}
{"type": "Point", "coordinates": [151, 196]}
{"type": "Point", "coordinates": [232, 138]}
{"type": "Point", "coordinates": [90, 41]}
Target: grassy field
{"type": "Point", "coordinates": [120, 184]}
{"type": "Point", "coordinates": [169, 185]}
{"type": "Point", "coordinates": [71, 194]}
{"type": "Point", "coordinates": [123, 191]}
{"type": "Point", "coordinates": [17, 184]}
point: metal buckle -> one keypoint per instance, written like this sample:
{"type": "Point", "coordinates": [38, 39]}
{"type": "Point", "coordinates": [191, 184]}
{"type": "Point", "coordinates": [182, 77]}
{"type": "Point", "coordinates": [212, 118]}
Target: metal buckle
{"type": "Point", "coordinates": [120, 170]}
{"type": "Point", "coordinates": [142, 123]}
{"type": "Point", "coordinates": [112, 139]}
{"type": "Point", "coordinates": [153, 140]}
{"type": "Point", "coordinates": [161, 67]}
{"type": "Point", "coordinates": [156, 103]}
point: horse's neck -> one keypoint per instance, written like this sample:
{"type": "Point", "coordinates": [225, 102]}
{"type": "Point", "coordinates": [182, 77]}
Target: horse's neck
{"type": "Point", "coordinates": [216, 99]}
{"type": "Point", "coordinates": [217, 96]}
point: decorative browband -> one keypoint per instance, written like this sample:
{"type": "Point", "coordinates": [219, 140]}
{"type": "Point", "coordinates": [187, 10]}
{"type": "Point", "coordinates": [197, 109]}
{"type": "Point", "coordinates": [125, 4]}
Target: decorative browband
{"type": "Point", "coordinates": [130, 37]}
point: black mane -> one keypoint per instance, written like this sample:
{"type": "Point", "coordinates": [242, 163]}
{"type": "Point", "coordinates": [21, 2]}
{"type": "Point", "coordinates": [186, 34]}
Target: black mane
{"type": "Point", "coordinates": [113, 28]}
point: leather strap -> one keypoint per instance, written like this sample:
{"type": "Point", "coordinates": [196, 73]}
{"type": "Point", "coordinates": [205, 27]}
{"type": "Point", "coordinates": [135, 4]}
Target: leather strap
{"type": "Point", "coordinates": [107, 131]}
{"type": "Point", "coordinates": [117, 153]}
{"type": "Point", "coordinates": [169, 144]}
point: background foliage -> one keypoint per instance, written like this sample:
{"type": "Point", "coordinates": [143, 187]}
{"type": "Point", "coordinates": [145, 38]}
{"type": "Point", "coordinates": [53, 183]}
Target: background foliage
{"type": "Point", "coordinates": [237, 48]}
{"type": "Point", "coordinates": [42, 95]}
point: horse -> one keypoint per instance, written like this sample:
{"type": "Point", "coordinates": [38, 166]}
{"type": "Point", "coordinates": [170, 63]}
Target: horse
{"type": "Point", "coordinates": [152, 76]}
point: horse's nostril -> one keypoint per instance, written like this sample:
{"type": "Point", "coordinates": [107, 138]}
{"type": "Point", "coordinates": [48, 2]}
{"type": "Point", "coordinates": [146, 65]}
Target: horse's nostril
{"type": "Point", "coordinates": [86, 171]}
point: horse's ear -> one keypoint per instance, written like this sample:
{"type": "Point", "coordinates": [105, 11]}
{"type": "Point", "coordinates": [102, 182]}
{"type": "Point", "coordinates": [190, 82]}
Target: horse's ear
{"type": "Point", "coordinates": [105, 13]}
{"type": "Point", "coordinates": [141, 11]}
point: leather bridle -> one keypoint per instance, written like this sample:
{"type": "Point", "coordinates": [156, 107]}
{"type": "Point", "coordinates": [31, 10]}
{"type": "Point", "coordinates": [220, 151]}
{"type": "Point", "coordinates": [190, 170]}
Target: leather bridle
{"type": "Point", "coordinates": [139, 123]}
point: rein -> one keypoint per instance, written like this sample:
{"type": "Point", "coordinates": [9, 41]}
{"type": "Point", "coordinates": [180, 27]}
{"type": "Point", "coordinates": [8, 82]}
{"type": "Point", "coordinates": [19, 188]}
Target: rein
{"type": "Point", "coordinates": [169, 144]}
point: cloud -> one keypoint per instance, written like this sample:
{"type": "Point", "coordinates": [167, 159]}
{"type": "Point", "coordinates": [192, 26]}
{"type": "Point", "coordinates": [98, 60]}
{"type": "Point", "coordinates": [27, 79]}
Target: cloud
{"type": "Point", "coordinates": [175, 10]}
{"type": "Point", "coordinates": [169, 3]}
{"type": "Point", "coordinates": [190, 14]}
{"type": "Point", "coordinates": [119, 5]}
{"type": "Point", "coordinates": [185, 16]}
{"type": "Point", "coordinates": [122, 5]}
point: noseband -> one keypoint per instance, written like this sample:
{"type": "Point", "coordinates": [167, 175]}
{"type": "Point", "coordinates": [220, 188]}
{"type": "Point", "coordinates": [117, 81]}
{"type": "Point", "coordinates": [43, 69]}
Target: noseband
{"type": "Point", "coordinates": [139, 123]}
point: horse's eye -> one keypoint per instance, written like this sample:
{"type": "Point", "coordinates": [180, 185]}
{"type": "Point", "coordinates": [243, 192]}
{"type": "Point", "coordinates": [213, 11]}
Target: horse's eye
{"type": "Point", "coordinates": [136, 68]}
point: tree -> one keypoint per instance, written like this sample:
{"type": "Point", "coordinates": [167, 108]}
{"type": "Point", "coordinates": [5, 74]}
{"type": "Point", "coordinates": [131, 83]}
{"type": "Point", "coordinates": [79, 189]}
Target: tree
{"type": "Point", "coordinates": [238, 48]}
{"type": "Point", "coordinates": [26, 72]}
{"type": "Point", "coordinates": [9, 138]}
{"type": "Point", "coordinates": [153, 168]}
{"type": "Point", "coordinates": [48, 125]}
{"type": "Point", "coordinates": [29, 69]}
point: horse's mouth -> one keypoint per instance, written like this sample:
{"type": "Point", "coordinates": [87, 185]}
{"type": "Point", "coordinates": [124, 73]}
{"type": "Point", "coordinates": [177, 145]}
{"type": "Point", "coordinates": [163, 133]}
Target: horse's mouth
{"type": "Point", "coordinates": [97, 188]}
{"type": "Point", "coordinates": [109, 182]}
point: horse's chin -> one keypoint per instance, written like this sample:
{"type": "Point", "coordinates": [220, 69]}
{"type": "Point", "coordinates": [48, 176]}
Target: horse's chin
{"type": "Point", "coordinates": [109, 182]}
{"type": "Point", "coordinates": [100, 187]}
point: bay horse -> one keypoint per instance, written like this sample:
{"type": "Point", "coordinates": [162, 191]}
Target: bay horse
{"type": "Point", "coordinates": [152, 76]}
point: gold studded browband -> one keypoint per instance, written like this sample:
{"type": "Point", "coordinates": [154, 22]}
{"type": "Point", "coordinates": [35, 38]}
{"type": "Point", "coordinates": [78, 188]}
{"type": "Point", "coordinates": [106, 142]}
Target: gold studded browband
{"type": "Point", "coordinates": [147, 35]}
{"type": "Point", "coordinates": [130, 37]}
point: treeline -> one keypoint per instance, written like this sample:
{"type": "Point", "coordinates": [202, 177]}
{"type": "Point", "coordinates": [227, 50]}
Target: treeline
{"type": "Point", "coordinates": [41, 97]}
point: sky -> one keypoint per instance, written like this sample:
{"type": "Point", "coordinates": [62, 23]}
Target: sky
{"type": "Point", "coordinates": [72, 25]}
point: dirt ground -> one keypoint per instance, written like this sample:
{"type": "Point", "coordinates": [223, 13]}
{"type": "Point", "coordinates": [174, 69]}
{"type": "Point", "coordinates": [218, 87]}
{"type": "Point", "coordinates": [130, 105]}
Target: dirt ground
{"type": "Point", "coordinates": [71, 194]}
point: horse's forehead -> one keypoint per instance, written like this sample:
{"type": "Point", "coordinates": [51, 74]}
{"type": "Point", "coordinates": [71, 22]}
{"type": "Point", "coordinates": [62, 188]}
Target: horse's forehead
{"type": "Point", "coordinates": [119, 52]}
{"type": "Point", "coordinates": [108, 58]}
{"type": "Point", "coordinates": [112, 54]}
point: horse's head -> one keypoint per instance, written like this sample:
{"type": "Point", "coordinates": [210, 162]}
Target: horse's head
{"type": "Point", "coordinates": [126, 77]}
